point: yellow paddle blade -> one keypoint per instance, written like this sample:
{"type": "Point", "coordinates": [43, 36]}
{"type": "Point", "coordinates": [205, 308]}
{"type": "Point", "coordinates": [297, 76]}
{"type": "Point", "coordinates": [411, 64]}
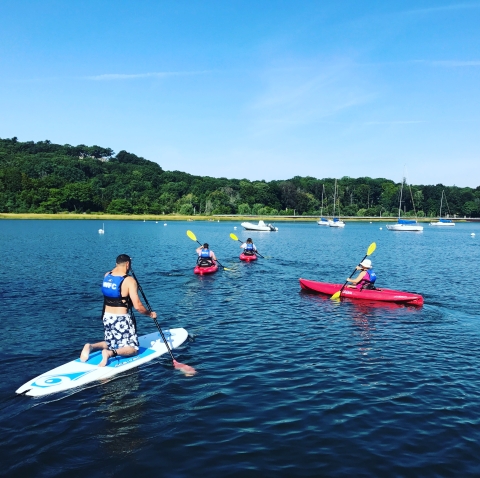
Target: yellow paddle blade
{"type": "Point", "coordinates": [191, 235]}
{"type": "Point", "coordinates": [335, 296]}
{"type": "Point", "coordinates": [371, 248]}
{"type": "Point", "coordinates": [233, 236]}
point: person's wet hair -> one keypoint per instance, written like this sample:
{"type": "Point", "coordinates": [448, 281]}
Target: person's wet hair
{"type": "Point", "coordinates": [205, 246]}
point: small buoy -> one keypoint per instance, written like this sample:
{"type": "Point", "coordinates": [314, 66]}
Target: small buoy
{"type": "Point", "coordinates": [218, 220]}
{"type": "Point", "coordinates": [156, 222]}
{"type": "Point", "coordinates": [165, 224]}
{"type": "Point", "coordinates": [235, 227]}
{"type": "Point", "coordinates": [370, 222]}
{"type": "Point", "coordinates": [380, 228]}
{"type": "Point", "coordinates": [472, 234]}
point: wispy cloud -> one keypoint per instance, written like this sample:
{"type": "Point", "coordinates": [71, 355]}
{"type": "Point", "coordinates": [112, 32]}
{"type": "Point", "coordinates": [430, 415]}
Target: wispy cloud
{"type": "Point", "coordinates": [393, 122]}
{"type": "Point", "coordinates": [440, 63]}
{"type": "Point", "coordinates": [443, 8]}
{"type": "Point", "coordinates": [136, 76]}
{"type": "Point", "coordinates": [453, 63]}
{"type": "Point", "coordinates": [307, 92]}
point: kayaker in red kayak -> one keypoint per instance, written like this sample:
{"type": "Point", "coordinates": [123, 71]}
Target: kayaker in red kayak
{"type": "Point", "coordinates": [248, 247]}
{"type": "Point", "coordinates": [206, 257]}
{"type": "Point", "coordinates": [366, 278]}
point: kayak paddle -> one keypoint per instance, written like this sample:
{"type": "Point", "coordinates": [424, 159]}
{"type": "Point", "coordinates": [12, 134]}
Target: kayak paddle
{"type": "Point", "coordinates": [181, 366]}
{"type": "Point", "coordinates": [370, 250]}
{"type": "Point", "coordinates": [193, 237]}
{"type": "Point", "coordinates": [235, 238]}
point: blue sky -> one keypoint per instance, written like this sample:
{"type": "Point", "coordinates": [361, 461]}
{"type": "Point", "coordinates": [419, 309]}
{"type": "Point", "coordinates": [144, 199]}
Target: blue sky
{"type": "Point", "coordinates": [251, 89]}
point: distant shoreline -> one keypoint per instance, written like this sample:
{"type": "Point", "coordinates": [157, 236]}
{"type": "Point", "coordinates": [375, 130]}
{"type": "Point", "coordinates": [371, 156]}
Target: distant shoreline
{"type": "Point", "coordinates": [165, 218]}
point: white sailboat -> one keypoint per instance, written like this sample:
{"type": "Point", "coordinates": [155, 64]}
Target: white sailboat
{"type": "Point", "coordinates": [102, 231]}
{"type": "Point", "coordinates": [444, 221]}
{"type": "Point", "coordinates": [405, 225]}
{"type": "Point", "coordinates": [335, 221]}
{"type": "Point", "coordinates": [323, 221]}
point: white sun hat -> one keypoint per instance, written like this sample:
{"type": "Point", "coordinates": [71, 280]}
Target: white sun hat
{"type": "Point", "coordinates": [366, 264]}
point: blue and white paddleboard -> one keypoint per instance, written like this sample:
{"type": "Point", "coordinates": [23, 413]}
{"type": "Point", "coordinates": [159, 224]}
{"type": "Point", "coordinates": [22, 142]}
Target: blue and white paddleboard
{"type": "Point", "coordinates": [77, 373]}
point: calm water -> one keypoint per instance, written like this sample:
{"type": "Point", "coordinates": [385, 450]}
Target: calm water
{"type": "Point", "coordinates": [288, 383]}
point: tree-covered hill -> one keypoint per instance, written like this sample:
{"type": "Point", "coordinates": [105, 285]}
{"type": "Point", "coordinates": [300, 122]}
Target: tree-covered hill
{"type": "Point", "coordinates": [48, 178]}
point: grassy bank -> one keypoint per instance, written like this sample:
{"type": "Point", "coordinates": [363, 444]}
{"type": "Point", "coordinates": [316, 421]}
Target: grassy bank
{"type": "Point", "coordinates": [164, 218]}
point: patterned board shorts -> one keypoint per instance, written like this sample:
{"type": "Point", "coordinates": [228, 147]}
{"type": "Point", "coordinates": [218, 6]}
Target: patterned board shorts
{"type": "Point", "coordinates": [119, 331]}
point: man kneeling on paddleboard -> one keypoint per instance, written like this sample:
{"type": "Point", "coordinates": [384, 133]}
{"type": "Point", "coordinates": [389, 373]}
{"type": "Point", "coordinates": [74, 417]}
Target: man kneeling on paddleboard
{"type": "Point", "coordinates": [366, 278]}
{"type": "Point", "coordinates": [120, 292]}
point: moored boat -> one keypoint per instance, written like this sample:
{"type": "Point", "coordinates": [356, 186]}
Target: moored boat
{"type": "Point", "coordinates": [336, 221]}
{"type": "Point", "coordinates": [261, 226]}
{"type": "Point", "coordinates": [405, 225]}
{"type": "Point", "coordinates": [380, 294]}
{"type": "Point", "coordinates": [322, 221]}
{"type": "Point", "coordinates": [248, 257]}
{"type": "Point", "coordinates": [442, 221]}
{"type": "Point", "coordinates": [202, 270]}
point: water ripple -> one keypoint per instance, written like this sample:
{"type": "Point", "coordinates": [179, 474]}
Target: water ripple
{"type": "Point", "coordinates": [289, 383]}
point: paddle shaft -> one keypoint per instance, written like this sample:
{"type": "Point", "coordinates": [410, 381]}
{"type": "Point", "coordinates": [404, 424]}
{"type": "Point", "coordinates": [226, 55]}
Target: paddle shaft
{"type": "Point", "coordinates": [149, 308]}
{"type": "Point", "coordinates": [354, 270]}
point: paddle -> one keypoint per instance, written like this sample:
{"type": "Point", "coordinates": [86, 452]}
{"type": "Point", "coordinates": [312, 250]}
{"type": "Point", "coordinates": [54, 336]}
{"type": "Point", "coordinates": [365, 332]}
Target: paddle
{"type": "Point", "coordinates": [235, 238]}
{"type": "Point", "coordinates": [181, 366]}
{"type": "Point", "coordinates": [370, 250]}
{"type": "Point", "coordinates": [193, 237]}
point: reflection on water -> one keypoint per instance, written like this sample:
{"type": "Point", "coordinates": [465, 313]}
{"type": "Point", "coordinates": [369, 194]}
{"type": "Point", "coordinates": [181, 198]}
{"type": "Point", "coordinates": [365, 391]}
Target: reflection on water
{"type": "Point", "coordinates": [123, 408]}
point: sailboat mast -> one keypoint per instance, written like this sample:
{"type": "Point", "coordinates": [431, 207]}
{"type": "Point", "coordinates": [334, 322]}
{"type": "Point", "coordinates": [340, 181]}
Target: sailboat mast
{"type": "Point", "coordinates": [323, 190]}
{"type": "Point", "coordinates": [441, 203]}
{"type": "Point", "coordinates": [334, 197]}
{"type": "Point", "coordinates": [401, 196]}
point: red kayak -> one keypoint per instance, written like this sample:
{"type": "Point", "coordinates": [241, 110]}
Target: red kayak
{"type": "Point", "coordinates": [384, 295]}
{"type": "Point", "coordinates": [248, 257]}
{"type": "Point", "coordinates": [202, 270]}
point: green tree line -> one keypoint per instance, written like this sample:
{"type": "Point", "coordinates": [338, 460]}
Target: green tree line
{"type": "Point", "coordinates": [42, 177]}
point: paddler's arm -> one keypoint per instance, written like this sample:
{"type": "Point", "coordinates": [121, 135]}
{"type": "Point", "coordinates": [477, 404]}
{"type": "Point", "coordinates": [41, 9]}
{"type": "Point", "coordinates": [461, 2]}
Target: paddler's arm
{"type": "Point", "coordinates": [357, 279]}
{"type": "Point", "coordinates": [137, 303]}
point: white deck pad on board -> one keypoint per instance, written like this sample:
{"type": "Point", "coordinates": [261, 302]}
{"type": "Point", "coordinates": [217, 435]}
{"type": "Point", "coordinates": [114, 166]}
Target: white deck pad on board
{"type": "Point", "coordinates": [77, 373]}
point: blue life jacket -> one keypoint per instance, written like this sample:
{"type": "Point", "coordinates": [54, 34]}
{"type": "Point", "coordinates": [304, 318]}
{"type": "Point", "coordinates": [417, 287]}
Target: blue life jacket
{"type": "Point", "coordinates": [112, 291]}
{"type": "Point", "coordinates": [205, 254]}
{"type": "Point", "coordinates": [249, 247]}
{"type": "Point", "coordinates": [367, 283]}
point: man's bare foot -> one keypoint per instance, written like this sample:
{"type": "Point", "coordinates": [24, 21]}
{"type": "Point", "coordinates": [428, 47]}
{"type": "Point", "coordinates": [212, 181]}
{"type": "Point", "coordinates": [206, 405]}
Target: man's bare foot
{"type": "Point", "coordinates": [106, 354]}
{"type": "Point", "coordinates": [86, 352]}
